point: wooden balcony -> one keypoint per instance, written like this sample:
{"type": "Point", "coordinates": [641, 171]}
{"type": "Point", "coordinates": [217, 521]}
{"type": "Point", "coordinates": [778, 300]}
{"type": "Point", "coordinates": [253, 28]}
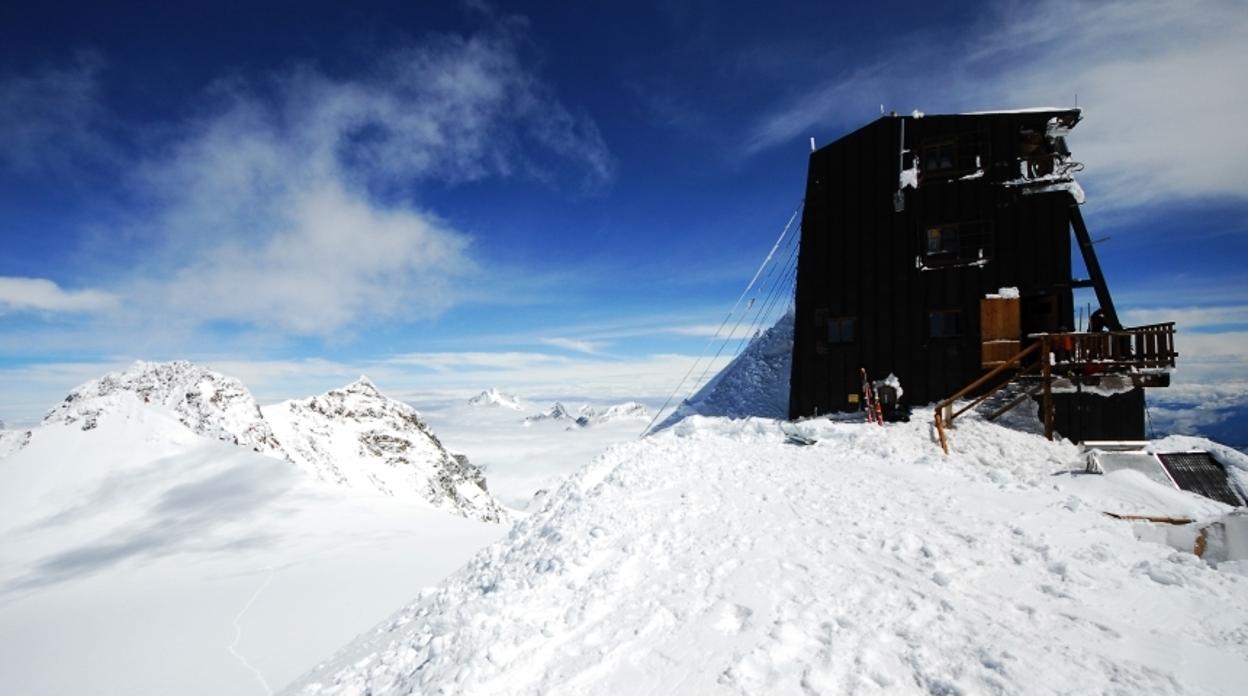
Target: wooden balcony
{"type": "Point", "coordinates": [1145, 352]}
{"type": "Point", "coordinates": [1148, 347]}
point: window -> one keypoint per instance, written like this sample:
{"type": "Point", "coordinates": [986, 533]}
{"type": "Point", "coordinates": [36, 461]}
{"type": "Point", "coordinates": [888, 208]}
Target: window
{"type": "Point", "coordinates": [954, 244]}
{"type": "Point", "coordinates": [942, 240]}
{"type": "Point", "coordinates": [949, 156]}
{"type": "Point", "coordinates": [944, 323]}
{"type": "Point", "coordinates": [841, 330]}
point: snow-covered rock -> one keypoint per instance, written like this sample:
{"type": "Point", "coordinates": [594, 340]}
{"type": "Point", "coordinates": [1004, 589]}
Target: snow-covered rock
{"type": "Point", "coordinates": [207, 402]}
{"type": "Point", "coordinates": [495, 398]}
{"type": "Point", "coordinates": [557, 411]}
{"type": "Point", "coordinates": [755, 383]}
{"type": "Point", "coordinates": [630, 410]}
{"type": "Point", "coordinates": [715, 558]}
{"type": "Point", "coordinates": [12, 441]}
{"type": "Point", "coordinates": [359, 438]}
{"type": "Point", "coordinates": [627, 410]}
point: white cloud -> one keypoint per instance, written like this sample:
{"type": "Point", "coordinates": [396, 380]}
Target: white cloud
{"type": "Point", "coordinates": [43, 295]}
{"type": "Point", "coordinates": [1212, 357]}
{"type": "Point", "coordinates": [1187, 318]}
{"type": "Point", "coordinates": [337, 260]}
{"type": "Point", "coordinates": [288, 210]}
{"type": "Point", "coordinates": [467, 361]}
{"type": "Point", "coordinates": [577, 345]}
{"type": "Point", "coordinates": [287, 204]}
{"type": "Point", "coordinates": [1157, 81]}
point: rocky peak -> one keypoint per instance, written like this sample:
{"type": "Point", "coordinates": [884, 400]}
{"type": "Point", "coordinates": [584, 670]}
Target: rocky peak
{"type": "Point", "coordinates": [207, 402]}
{"type": "Point", "coordinates": [363, 386]}
{"type": "Point", "coordinates": [359, 438]}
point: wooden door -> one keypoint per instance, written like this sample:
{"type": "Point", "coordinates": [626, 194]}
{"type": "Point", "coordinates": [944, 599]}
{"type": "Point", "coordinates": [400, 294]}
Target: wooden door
{"type": "Point", "coordinates": [1000, 329]}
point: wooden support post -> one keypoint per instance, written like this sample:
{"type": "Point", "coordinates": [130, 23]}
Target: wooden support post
{"type": "Point", "coordinates": [1046, 370]}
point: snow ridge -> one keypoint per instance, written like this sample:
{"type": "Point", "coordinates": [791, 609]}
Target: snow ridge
{"type": "Point", "coordinates": [715, 558]}
{"type": "Point", "coordinates": [359, 438]}
{"type": "Point", "coordinates": [207, 402]}
{"type": "Point", "coordinates": [754, 384]}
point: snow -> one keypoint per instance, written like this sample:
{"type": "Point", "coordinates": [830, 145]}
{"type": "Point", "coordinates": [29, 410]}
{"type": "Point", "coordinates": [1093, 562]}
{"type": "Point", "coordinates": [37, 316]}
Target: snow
{"type": "Point", "coordinates": [715, 558]}
{"type": "Point", "coordinates": [627, 410]}
{"type": "Point", "coordinates": [557, 411]}
{"type": "Point", "coordinates": [1069, 185]}
{"type": "Point", "coordinates": [129, 551]}
{"type": "Point", "coordinates": [892, 381]}
{"type": "Point", "coordinates": [755, 383]}
{"type": "Point", "coordinates": [495, 398]}
{"type": "Point", "coordinates": [1028, 110]}
{"type": "Point", "coordinates": [1003, 294]}
{"type": "Point", "coordinates": [207, 402]}
{"type": "Point", "coordinates": [149, 553]}
{"type": "Point", "coordinates": [908, 178]}
{"type": "Point", "coordinates": [358, 438]}
{"type": "Point", "coordinates": [523, 458]}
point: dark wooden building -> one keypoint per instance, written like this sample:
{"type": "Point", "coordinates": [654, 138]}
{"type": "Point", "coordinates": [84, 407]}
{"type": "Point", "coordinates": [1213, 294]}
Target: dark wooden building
{"type": "Point", "coordinates": [912, 227]}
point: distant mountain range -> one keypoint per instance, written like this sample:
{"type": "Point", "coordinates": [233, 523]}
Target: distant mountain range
{"type": "Point", "coordinates": [355, 437]}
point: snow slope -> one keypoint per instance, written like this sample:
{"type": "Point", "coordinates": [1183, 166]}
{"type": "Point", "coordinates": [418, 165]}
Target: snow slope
{"type": "Point", "coordinates": [522, 458]}
{"type": "Point", "coordinates": [755, 383]}
{"type": "Point", "coordinates": [207, 402]}
{"type": "Point", "coordinates": [138, 557]}
{"type": "Point", "coordinates": [715, 558]}
{"type": "Point", "coordinates": [358, 438]}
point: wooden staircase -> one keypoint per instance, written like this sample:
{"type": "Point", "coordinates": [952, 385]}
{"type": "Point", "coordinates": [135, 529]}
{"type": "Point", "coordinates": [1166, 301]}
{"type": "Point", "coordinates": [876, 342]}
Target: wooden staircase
{"type": "Point", "coordinates": [1146, 353]}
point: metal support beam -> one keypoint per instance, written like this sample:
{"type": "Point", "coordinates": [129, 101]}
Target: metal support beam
{"type": "Point", "coordinates": [1094, 268]}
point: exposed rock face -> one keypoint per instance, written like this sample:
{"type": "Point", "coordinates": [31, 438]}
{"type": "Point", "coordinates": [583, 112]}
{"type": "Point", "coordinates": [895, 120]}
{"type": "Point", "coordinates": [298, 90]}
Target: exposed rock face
{"type": "Point", "coordinates": [495, 398]}
{"type": "Point", "coordinates": [359, 438]}
{"type": "Point", "coordinates": [207, 402]}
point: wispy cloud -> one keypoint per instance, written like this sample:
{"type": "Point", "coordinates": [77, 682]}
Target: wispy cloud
{"type": "Point", "coordinates": [285, 204]}
{"type": "Point", "coordinates": [1154, 77]}
{"type": "Point", "coordinates": [50, 120]}
{"type": "Point", "coordinates": [1189, 318]}
{"type": "Point", "coordinates": [43, 295]}
{"type": "Point", "coordinates": [1212, 358]}
{"type": "Point", "coordinates": [577, 345]}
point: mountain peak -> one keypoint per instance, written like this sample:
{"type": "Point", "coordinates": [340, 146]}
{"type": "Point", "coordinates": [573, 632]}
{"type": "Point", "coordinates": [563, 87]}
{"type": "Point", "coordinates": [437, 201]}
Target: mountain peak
{"type": "Point", "coordinates": [363, 385]}
{"type": "Point", "coordinates": [494, 397]}
{"type": "Point", "coordinates": [207, 402]}
{"type": "Point", "coordinates": [360, 438]}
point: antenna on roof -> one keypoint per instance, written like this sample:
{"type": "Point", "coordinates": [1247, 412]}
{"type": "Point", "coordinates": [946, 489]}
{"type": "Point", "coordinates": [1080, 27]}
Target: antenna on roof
{"type": "Point", "coordinates": [812, 143]}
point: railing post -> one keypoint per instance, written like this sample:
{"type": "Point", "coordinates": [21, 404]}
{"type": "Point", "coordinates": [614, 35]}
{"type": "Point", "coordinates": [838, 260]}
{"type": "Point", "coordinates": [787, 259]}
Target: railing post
{"type": "Point", "coordinates": [1047, 372]}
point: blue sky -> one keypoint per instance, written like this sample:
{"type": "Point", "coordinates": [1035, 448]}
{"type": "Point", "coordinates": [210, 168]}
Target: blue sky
{"type": "Point", "coordinates": [555, 197]}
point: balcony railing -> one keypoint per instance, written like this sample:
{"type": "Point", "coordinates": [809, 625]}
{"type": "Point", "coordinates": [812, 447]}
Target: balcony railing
{"type": "Point", "coordinates": [1148, 347]}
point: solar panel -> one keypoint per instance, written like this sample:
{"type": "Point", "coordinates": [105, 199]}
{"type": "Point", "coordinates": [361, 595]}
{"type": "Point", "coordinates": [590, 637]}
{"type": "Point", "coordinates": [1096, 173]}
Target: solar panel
{"type": "Point", "coordinates": [1200, 473]}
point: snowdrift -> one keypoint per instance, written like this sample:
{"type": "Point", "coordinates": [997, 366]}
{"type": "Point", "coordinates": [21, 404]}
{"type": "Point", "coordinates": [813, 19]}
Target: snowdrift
{"type": "Point", "coordinates": [715, 558]}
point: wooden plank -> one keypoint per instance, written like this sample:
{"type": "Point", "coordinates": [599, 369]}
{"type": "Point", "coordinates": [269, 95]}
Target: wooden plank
{"type": "Point", "coordinates": [996, 353]}
{"type": "Point", "coordinates": [1000, 319]}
